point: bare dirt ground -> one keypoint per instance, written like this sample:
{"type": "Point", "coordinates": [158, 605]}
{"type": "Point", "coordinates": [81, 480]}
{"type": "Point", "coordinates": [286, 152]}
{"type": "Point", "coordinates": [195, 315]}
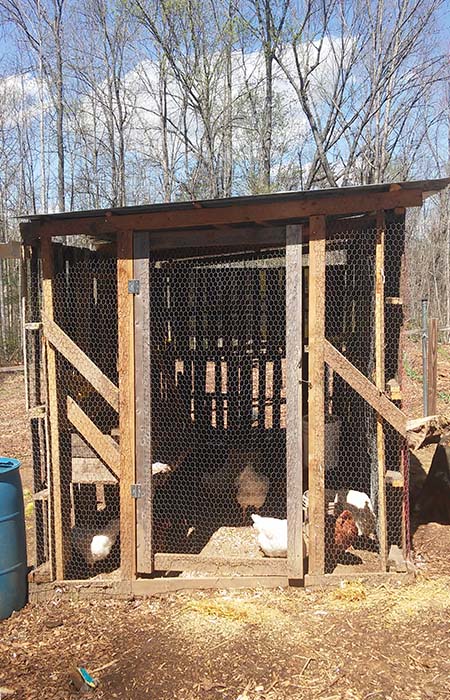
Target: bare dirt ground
{"type": "Point", "coordinates": [352, 643]}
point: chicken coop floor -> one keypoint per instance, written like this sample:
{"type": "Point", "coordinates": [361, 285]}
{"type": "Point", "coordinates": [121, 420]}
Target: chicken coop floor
{"type": "Point", "coordinates": [351, 643]}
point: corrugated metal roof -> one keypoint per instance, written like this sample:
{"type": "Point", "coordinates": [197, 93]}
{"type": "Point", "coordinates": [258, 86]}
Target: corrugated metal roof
{"type": "Point", "coordinates": [428, 187]}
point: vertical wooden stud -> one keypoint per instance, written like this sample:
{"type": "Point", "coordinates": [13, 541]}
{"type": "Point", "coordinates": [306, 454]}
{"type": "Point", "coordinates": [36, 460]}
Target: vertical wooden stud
{"type": "Point", "coordinates": [380, 382]}
{"type": "Point", "coordinates": [60, 481]}
{"type": "Point", "coordinates": [294, 400]}
{"type": "Point", "coordinates": [143, 403]}
{"type": "Point", "coordinates": [125, 269]}
{"type": "Point", "coordinates": [432, 365]}
{"type": "Point", "coordinates": [316, 404]}
{"type": "Point", "coordinates": [24, 315]}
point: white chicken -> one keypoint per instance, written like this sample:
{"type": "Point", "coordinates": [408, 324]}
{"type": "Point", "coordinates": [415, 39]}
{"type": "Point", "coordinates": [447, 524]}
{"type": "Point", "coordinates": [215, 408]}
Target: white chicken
{"type": "Point", "coordinates": [357, 502]}
{"type": "Point", "coordinates": [95, 545]}
{"type": "Point", "coordinates": [252, 489]}
{"type": "Point", "coordinates": [271, 535]}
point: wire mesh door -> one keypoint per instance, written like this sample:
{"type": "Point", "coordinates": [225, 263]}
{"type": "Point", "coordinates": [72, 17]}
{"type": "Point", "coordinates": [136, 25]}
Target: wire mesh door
{"type": "Point", "coordinates": [211, 410]}
{"type": "Point", "coordinates": [365, 458]}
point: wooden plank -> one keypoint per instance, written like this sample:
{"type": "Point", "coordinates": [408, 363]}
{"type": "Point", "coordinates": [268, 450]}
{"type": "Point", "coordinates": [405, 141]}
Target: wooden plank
{"type": "Point", "coordinates": [380, 384]}
{"type": "Point", "coordinates": [294, 327]}
{"type": "Point", "coordinates": [48, 470]}
{"type": "Point", "coordinates": [240, 566]}
{"type": "Point", "coordinates": [11, 370]}
{"type": "Point", "coordinates": [24, 316]}
{"type": "Point", "coordinates": [70, 350]}
{"type": "Point", "coordinates": [41, 495]}
{"type": "Point", "coordinates": [9, 250]}
{"type": "Point", "coordinates": [316, 406]}
{"type": "Point", "coordinates": [144, 514]}
{"type": "Point", "coordinates": [104, 445]}
{"type": "Point", "coordinates": [59, 483]}
{"type": "Point", "coordinates": [276, 210]}
{"type": "Point", "coordinates": [432, 364]}
{"type": "Point", "coordinates": [215, 238]}
{"type": "Point", "coordinates": [372, 577]}
{"type": "Point", "coordinates": [37, 412]}
{"type": "Point", "coordinates": [127, 418]}
{"type": "Point", "coordinates": [365, 388]}
{"type": "Point", "coordinates": [157, 586]}
{"type": "Point", "coordinates": [91, 470]}
{"type": "Point", "coordinates": [393, 390]}
{"type": "Point", "coordinates": [80, 448]}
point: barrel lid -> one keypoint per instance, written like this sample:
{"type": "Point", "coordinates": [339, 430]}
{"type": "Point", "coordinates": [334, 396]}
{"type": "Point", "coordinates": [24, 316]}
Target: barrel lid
{"type": "Point", "coordinates": [8, 464]}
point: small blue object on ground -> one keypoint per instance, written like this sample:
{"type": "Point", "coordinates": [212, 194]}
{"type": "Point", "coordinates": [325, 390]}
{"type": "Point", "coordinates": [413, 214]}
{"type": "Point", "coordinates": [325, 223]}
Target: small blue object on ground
{"type": "Point", "coordinates": [13, 551]}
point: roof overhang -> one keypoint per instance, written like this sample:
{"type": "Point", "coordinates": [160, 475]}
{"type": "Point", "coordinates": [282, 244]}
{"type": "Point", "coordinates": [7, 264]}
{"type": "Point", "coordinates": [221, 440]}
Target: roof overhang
{"type": "Point", "coordinates": [237, 213]}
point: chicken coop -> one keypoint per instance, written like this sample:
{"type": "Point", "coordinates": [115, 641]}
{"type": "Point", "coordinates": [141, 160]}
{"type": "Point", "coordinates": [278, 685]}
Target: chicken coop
{"type": "Point", "coordinates": [214, 389]}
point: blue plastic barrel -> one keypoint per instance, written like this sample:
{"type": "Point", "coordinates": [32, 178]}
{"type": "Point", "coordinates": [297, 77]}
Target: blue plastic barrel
{"type": "Point", "coordinates": [13, 552]}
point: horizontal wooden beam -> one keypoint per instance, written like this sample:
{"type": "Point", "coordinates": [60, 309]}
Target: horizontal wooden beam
{"type": "Point", "coordinates": [365, 388]}
{"type": "Point", "coordinates": [282, 211]}
{"type": "Point", "coordinates": [41, 495]}
{"type": "Point", "coordinates": [10, 250]}
{"type": "Point", "coordinates": [214, 565]}
{"type": "Point", "coordinates": [372, 577]}
{"type": "Point", "coordinates": [156, 586]}
{"type": "Point", "coordinates": [218, 238]}
{"type": "Point", "coordinates": [104, 445]}
{"type": "Point", "coordinates": [37, 412]}
{"type": "Point", "coordinates": [70, 350]}
{"type": "Point", "coordinates": [91, 470]}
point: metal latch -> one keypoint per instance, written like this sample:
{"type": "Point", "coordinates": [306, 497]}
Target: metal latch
{"type": "Point", "coordinates": [133, 287]}
{"type": "Point", "coordinates": [137, 491]}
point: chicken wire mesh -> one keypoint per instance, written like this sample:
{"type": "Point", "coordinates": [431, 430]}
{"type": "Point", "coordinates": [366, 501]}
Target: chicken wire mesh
{"type": "Point", "coordinates": [218, 401]}
{"type": "Point", "coordinates": [35, 391]}
{"type": "Point", "coordinates": [85, 309]}
{"type": "Point", "coordinates": [354, 516]}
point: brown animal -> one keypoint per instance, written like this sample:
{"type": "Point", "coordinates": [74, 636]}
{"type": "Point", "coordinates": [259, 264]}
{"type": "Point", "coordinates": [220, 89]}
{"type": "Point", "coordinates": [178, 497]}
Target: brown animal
{"type": "Point", "coordinates": [341, 533]}
{"type": "Point", "coordinates": [252, 488]}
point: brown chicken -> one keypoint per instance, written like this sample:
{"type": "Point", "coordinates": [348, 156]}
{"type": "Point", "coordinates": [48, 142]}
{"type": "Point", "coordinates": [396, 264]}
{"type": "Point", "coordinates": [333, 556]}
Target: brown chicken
{"type": "Point", "coordinates": [341, 533]}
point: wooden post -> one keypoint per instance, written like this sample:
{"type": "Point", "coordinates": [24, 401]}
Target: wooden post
{"type": "Point", "coordinates": [380, 383]}
{"type": "Point", "coordinates": [24, 315]}
{"type": "Point", "coordinates": [294, 349]}
{"type": "Point", "coordinates": [60, 481]}
{"type": "Point", "coordinates": [125, 303]}
{"type": "Point", "coordinates": [432, 365]}
{"type": "Point", "coordinates": [316, 405]}
{"type": "Point", "coordinates": [144, 513]}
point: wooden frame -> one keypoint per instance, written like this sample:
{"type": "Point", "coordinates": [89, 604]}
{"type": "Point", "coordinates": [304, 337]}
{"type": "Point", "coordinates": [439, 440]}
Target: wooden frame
{"type": "Point", "coordinates": [244, 212]}
{"type": "Point", "coordinates": [144, 512]}
{"type": "Point", "coordinates": [70, 350]}
{"type": "Point", "coordinates": [316, 407]}
{"type": "Point", "coordinates": [104, 445]}
{"type": "Point", "coordinates": [125, 269]}
{"type": "Point", "coordinates": [179, 230]}
{"type": "Point", "coordinates": [374, 396]}
{"type": "Point", "coordinates": [294, 349]}
{"type": "Point", "coordinates": [380, 383]}
{"type": "Point", "coordinates": [59, 482]}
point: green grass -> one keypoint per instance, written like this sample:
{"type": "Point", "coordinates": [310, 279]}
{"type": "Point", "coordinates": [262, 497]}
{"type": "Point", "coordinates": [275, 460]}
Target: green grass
{"type": "Point", "coordinates": [444, 396]}
{"type": "Point", "coordinates": [410, 371]}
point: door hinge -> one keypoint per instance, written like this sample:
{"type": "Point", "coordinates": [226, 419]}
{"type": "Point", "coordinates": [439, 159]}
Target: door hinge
{"type": "Point", "coordinates": [133, 287]}
{"type": "Point", "coordinates": [137, 491]}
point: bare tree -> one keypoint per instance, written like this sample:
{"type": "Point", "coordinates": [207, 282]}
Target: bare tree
{"type": "Point", "coordinates": [41, 25]}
